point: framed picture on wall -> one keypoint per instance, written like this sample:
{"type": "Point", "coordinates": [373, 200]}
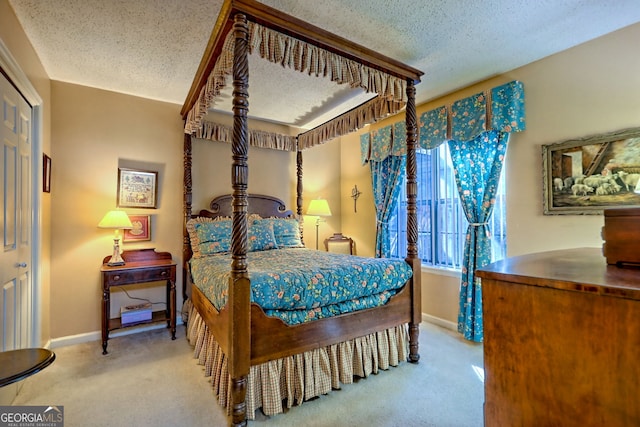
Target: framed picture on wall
{"type": "Point", "coordinates": [141, 230]}
{"type": "Point", "coordinates": [46, 173]}
{"type": "Point", "coordinates": [588, 175]}
{"type": "Point", "coordinates": [137, 188]}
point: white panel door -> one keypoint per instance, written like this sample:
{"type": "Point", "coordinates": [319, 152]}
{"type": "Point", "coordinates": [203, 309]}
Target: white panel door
{"type": "Point", "coordinates": [16, 281]}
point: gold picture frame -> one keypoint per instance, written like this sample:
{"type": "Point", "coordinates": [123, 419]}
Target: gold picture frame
{"type": "Point", "coordinates": [137, 188]}
{"type": "Point", "coordinates": [587, 175]}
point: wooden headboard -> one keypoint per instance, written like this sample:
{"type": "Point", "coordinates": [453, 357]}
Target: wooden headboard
{"type": "Point", "coordinates": [265, 206]}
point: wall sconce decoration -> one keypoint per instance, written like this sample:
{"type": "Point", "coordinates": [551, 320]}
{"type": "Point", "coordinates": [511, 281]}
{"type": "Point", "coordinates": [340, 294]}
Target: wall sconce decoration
{"type": "Point", "coordinates": [319, 208]}
{"type": "Point", "coordinates": [116, 220]}
{"type": "Point", "coordinates": [355, 193]}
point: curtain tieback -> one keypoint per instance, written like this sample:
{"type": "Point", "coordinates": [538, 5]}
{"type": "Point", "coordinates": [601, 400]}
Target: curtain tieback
{"type": "Point", "coordinates": [478, 224]}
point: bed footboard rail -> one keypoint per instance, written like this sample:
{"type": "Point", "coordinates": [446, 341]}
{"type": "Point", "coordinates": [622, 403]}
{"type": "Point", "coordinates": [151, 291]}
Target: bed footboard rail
{"type": "Point", "coordinates": [272, 338]}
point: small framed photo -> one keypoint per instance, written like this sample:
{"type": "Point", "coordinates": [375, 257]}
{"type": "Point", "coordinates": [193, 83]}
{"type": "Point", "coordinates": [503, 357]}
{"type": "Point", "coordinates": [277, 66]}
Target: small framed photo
{"type": "Point", "coordinates": [137, 188]}
{"type": "Point", "coordinates": [46, 173]}
{"type": "Point", "coordinates": [141, 230]}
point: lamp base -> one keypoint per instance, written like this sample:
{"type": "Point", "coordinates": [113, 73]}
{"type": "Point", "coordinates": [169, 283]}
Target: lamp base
{"type": "Point", "coordinates": [116, 259]}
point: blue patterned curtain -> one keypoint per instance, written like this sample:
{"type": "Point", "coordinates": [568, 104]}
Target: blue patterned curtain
{"type": "Point", "coordinates": [386, 176]}
{"type": "Point", "coordinates": [365, 147]}
{"type": "Point", "coordinates": [485, 121]}
{"type": "Point", "coordinates": [477, 165]}
{"type": "Point", "coordinates": [387, 160]}
{"type": "Point", "coordinates": [432, 126]}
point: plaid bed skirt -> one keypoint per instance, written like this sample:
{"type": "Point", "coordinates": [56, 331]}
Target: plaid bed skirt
{"type": "Point", "coordinates": [300, 377]}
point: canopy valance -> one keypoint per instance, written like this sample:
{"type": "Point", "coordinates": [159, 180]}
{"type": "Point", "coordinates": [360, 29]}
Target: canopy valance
{"type": "Point", "coordinates": [367, 113]}
{"type": "Point", "coordinates": [257, 138]}
{"type": "Point", "coordinates": [294, 45]}
{"type": "Point", "coordinates": [501, 108]}
{"type": "Point", "coordinates": [304, 57]}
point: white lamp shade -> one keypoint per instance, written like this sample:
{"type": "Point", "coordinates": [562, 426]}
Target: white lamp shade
{"type": "Point", "coordinates": [319, 207]}
{"type": "Point", "coordinates": [117, 220]}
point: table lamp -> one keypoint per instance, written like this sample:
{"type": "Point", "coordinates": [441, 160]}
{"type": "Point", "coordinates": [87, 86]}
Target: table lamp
{"type": "Point", "coordinates": [319, 208]}
{"type": "Point", "coordinates": [116, 220]}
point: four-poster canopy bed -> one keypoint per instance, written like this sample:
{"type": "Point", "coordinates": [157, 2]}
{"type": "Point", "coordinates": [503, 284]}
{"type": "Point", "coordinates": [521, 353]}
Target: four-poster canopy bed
{"type": "Point", "coordinates": [245, 350]}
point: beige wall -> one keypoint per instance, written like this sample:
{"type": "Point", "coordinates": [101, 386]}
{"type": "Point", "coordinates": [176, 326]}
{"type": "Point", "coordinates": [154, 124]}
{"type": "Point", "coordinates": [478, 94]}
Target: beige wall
{"type": "Point", "coordinates": [16, 41]}
{"type": "Point", "coordinates": [322, 180]}
{"type": "Point", "coordinates": [93, 133]}
{"type": "Point", "coordinates": [590, 89]}
{"type": "Point", "coordinates": [271, 172]}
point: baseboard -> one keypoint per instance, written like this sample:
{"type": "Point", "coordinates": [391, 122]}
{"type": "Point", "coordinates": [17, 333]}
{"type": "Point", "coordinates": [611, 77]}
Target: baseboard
{"type": "Point", "coordinates": [440, 322]}
{"type": "Point", "coordinates": [97, 335]}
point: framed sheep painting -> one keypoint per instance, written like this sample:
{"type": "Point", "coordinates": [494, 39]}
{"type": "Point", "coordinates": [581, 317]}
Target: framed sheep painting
{"type": "Point", "coordinates": [588, 175]}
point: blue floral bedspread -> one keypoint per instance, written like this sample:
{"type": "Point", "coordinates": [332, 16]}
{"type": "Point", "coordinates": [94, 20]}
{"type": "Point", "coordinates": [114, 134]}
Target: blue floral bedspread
{"type": "Point", "coordinates": [298, 285]}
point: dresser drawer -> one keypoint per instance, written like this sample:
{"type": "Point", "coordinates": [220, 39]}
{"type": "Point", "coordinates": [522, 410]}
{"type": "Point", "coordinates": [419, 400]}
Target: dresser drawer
{"type": "Point", "coordinates": [137, 276]}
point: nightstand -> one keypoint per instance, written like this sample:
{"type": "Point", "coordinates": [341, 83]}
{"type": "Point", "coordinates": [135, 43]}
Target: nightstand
{"type": "Point", "coordinates": [141, 266]}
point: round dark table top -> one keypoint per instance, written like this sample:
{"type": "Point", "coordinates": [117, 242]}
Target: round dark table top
{"type": "Point", "coordinates": [16, 365]}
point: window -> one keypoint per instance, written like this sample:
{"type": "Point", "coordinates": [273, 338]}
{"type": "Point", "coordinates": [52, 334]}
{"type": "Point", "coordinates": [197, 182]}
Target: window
{"type": "Point", "coordinates": [442, 225]}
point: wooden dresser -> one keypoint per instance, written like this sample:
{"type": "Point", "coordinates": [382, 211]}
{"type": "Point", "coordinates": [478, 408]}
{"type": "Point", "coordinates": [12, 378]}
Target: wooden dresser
{"type": "Point", "coordinates": [561, 341]}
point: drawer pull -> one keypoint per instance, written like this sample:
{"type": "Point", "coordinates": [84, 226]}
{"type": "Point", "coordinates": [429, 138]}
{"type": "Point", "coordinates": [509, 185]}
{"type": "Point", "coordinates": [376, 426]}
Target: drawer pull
{"type": "Point", "coordinates": [164, 273]}
{"type": "Point", "coordinates": [116, 277]}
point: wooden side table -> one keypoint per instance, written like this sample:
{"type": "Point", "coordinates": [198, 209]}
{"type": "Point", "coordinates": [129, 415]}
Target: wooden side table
{"type": "Point", "coordinates": [141, 266]}
{"type": "Point", "coordinates": [16, 365]}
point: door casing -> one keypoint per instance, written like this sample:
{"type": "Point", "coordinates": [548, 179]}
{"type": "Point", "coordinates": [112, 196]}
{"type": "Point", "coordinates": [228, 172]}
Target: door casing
{"type": "Point", "coordinates": [13, 71]}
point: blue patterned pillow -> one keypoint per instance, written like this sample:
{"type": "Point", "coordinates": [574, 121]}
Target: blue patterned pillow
{"type": "Point", "coordinates": [261, 236]}
{"type": "Point", "coordinates": [287, 232]}
{"type": "Point", "coordinates": [213, 237]}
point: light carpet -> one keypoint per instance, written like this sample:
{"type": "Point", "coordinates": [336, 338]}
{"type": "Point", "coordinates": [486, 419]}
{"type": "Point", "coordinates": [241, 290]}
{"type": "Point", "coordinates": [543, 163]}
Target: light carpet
{"type": "Point", "coordinates": [149, 380]}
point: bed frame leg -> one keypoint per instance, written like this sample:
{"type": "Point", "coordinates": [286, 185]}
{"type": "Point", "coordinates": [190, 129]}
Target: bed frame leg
{"type": "Point", "coordinates": [239, 410]}
{"type": "Point", "coordinates": [414, 332]}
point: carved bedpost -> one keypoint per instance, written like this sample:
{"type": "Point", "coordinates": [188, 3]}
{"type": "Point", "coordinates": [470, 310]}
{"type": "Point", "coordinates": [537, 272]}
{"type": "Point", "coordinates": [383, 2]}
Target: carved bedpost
{"type": "Point", "coordinates": [412, 221]}
{"type": "Point", "coordinates": [239, 284]}
{"type": "Point", "coordinates": [299, 191]}
{"type": "Point", "coordinates": [186, 246]}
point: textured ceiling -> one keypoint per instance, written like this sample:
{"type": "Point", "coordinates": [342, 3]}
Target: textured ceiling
{"type": "Point", "coordinates": [152, 48]}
